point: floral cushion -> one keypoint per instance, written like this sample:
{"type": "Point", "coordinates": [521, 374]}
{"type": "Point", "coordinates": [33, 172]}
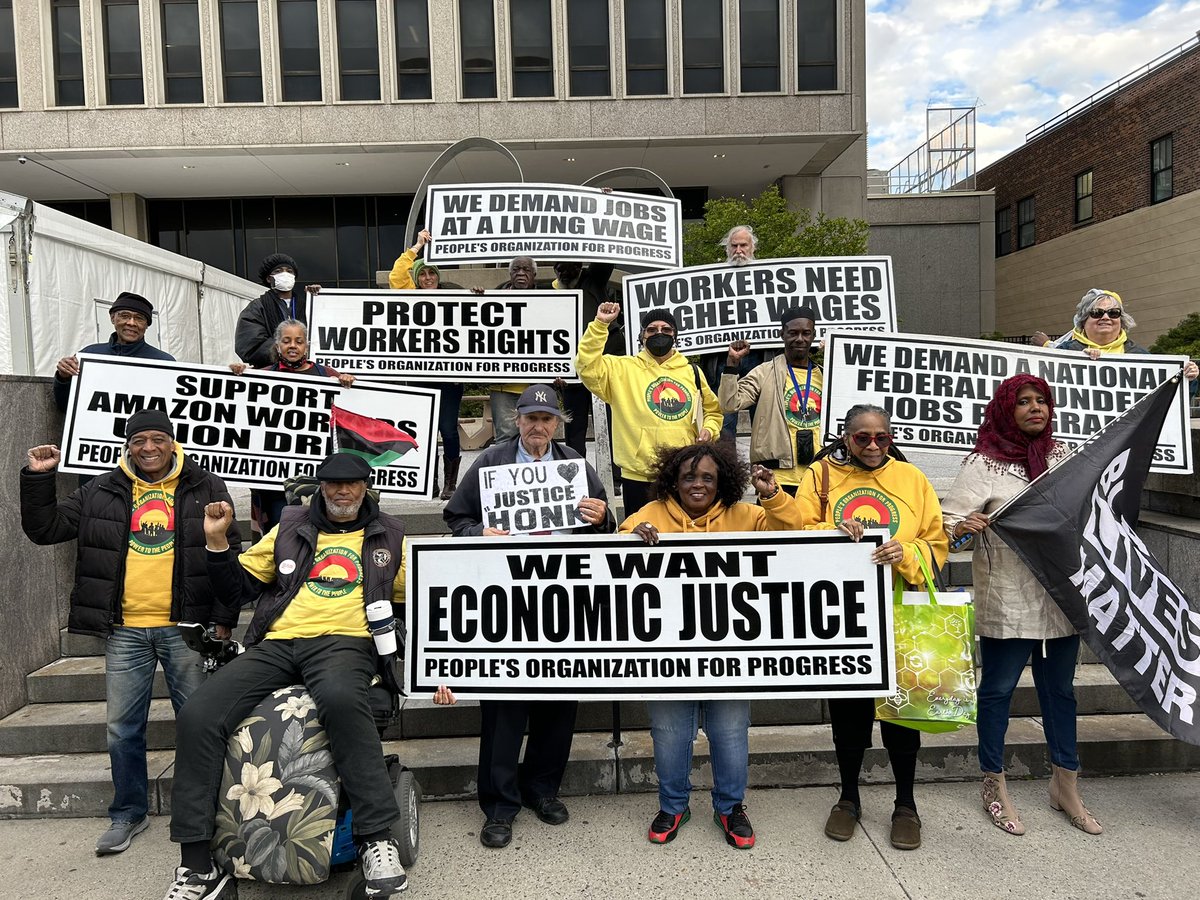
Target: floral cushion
{"type": "Point", "coordinates": [279, 794]}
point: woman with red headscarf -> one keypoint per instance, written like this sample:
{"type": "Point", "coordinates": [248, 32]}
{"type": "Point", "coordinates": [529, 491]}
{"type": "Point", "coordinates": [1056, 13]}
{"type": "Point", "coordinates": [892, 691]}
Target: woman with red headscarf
{"type": "Point", "coordinates": [1014, 616]}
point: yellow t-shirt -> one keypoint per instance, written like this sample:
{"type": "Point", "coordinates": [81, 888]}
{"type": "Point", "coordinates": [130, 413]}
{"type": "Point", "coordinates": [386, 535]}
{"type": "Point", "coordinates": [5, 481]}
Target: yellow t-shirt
{"type": "Point", "coordinates": [150, 562]}
{"type": "Point", "coordinates": [811, 421]}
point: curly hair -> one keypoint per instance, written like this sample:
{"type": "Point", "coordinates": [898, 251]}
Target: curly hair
{"type": "Point", "coordinates": [733, 475]}
{"type": "Point", "coordinates": [839, 451]}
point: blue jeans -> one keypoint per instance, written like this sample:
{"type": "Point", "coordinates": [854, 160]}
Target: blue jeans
{"type": "Point", "coordinates": [1002, 660]}
{"type": "Point", "coordinates": [673, 726]}
{"type": "Point", "coordinates": [131, 656]}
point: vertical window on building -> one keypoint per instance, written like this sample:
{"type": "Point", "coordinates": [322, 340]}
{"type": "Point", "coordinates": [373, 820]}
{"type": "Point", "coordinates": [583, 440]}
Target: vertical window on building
{"type": "Point", "coordinates": [1161, 187]}
{"type": "Point", "coordinates": [816, 45]}
{"type": "Point", "coordinates": [241, 63]}
{"type": "Point", "coordinates": [646, 48]}
{"type": "Point", "coordinates": [1025, 230]}
{"type": "Point", "coordinates": [300, 50]}
{"type": "Point", "coordinates": [1083, 196]}
{"type": "Point", "coordinates": [477, 30]}
{"type": "Point", "coordinates": [358, 49]}
{"type": "Point", "coordinates": [1004, 231]}
{"type": "Point", "coordinates": [703, 50]}
{"type": "Point", "coordinates": [412, 50]}
{"type": "Point", "coordinates": [123, 52]}
{"type": "Point", "coordinates": [8, 56]}
{"type": "Point", "coordinates": [182, 72]}
{"type": "Point", "coordinates": [532, 53]}
{"type": "Point", "coordinates": [758, 27]}
{"type": "Point", "coordinates": [587, 47]}
{"type": "Point", "coordinates": [68, 53]}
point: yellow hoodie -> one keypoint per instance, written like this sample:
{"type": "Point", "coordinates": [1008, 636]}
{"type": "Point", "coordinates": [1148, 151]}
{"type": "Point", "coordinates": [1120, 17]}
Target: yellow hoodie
{"type": "Point", "coordinates": [896, 495]}
{"type": "Point", "coordinates": [653, 404]}
{"type": "Point", "coordinates": [779, 513]}
{"type": "Point", "coordinates": [150, 562]}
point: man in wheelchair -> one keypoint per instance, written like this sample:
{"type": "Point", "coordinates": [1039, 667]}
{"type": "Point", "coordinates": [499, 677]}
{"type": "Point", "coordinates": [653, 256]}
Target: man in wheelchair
{"type": "Point", "coordinates": [317, 576]}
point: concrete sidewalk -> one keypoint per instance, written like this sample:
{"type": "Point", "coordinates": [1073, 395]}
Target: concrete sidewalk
{"type": "Point", "coordinates": [1149, 850]}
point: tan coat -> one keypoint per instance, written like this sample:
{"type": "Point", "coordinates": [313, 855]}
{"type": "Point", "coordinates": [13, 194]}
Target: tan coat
{"type": "Point", "coordinates": [767, 385]}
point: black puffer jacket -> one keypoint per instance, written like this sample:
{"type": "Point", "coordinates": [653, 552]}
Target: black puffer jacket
{"type": "Point", "coordinates": [98, 515]}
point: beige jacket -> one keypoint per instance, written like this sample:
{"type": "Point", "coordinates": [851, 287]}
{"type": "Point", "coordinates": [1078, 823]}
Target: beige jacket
{"type": "Point", "coordinates": [1009, 601]}
{"type": "Point", "coordinates": [766, 385]}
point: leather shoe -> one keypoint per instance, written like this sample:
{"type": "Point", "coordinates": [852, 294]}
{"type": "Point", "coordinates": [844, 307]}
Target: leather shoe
{"type": "Point", "coordinates": [550, 810]}
{"type": "Point", "coordinates": [496, 833]}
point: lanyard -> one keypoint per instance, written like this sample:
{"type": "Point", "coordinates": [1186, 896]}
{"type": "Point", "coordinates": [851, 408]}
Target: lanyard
{"type": "Point", "coordinates": [796, 385]}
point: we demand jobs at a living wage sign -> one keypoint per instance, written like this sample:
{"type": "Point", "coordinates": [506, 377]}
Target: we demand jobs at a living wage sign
{"type": "Point", "coordinates": [797, 614]}
{"type": "Point", "coordinates": [497, 337]}
{"type": "Point", "coordinates": [495, 222]}
{"type": "Point", "coordinates": [719, 304]}
{"type": "Point", "coordinates": [936, 389]}
{"type": "Point", "coordinates": [254, 430]}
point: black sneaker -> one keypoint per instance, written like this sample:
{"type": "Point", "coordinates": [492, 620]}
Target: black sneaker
{"type": "Point", "coordinates": [381, 869]}
{"type": "Point", "coordinates": [665, 826]}
{"type": "Point", "coordinates": [192, 885]}
{"type": "Point", "coordinates": [738, 830]}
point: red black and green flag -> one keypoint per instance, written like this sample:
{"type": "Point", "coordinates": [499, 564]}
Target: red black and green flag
{"type": "Point", "coordinates": [378, 442]}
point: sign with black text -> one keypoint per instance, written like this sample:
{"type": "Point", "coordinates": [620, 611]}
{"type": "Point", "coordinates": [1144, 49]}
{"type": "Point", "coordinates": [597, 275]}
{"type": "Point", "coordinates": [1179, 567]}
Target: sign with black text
{"type": "Point", "coordinates": [521, 498]}
{"type": "Point", "coordinates": [936, 389]}
{"type": "Point", "coordinates": [456, 336]}
{"type": "Point", "coordinates": [495, 222]}
{"type": "Point", "coordinates": [797, 614]}
{"type": "Point", "coordinates": [719, 304]}
{"type": "Point", "coordinates": [255, 430]}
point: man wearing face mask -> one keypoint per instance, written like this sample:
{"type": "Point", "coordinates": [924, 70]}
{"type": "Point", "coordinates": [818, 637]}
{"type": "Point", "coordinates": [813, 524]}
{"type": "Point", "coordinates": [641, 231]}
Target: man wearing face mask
{"type": "Point", "coordinates": [658, 398]}
{"type": "Point", "coordinates": [255, 334]}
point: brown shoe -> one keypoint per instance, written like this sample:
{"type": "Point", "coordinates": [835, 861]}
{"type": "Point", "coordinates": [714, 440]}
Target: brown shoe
{"type": "Point", "coordinates": [906, 829]}
{"type": "Point", "coordinates": [842, 821]}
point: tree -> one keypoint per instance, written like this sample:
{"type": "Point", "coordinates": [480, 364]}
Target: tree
{"type": "Point", "coordinates": [1183, 339]}
{"type": "Point", "coordinates": [780, 231]}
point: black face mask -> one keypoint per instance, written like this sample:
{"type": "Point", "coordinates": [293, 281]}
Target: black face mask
{"type": "Point", "coordinates": [658, 344]}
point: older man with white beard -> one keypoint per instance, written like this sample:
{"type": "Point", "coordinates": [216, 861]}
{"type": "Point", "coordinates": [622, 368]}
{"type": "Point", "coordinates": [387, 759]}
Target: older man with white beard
{"type": "Point", "coordinates": [740, 244]}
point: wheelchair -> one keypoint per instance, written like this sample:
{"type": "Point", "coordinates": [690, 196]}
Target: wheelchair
{"type": "Point", "coordinates": [281, 816]}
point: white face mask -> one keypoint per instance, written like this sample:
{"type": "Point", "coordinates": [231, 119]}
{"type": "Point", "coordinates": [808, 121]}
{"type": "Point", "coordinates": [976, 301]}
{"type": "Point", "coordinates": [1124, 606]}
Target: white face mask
{"type": "Point", "coordinates": [284, 281]}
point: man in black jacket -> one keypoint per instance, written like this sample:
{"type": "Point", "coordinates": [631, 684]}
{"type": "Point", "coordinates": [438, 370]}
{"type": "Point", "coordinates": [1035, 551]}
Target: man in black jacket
{"type": "Point", "coordinates": [315, 575]}
{"type": "Point", "coordinates": [254, 337]}
{"type": "Point", "coordinates": [506, 783]}
{"type": "Point", "coordinates": [140, 568]}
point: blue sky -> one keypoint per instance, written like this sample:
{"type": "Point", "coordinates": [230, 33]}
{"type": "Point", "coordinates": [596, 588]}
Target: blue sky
{"type": "Point", "coordinates": [1020, 62]}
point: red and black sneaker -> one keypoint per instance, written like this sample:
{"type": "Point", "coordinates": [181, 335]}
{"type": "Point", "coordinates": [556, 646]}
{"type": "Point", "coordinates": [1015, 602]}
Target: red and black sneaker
{"type": "Point", "coordinates": [665, 826]}
{"type": "Point", "coordinates": [738, 830]}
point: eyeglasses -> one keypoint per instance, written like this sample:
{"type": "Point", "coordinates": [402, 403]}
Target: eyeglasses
{"type": "Point", "coordinates": [883, 440]}
{"type": "Point", "coordinates": [1113, 313]}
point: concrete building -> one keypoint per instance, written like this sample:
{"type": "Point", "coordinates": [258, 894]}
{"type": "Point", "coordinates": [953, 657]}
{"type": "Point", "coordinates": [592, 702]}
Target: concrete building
{"type": "Point", "coordinates": [227, 129]}
{"type": "Point", "coordinates": [1106, 194]}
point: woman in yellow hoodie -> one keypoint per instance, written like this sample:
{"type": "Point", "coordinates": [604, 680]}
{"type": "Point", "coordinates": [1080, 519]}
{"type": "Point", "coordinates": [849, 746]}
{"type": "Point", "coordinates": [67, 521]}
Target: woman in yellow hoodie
{"type": "Point", "coordinates": [701, 487]}
{"type": "Point", "coordinates": [862, 479]}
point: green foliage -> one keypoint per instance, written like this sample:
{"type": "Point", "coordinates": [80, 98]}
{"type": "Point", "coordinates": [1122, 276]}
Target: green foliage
{"type": "Point", "coordinates": [780, 231]}
{"type": "Point", "coordinates": [992, 336]}
{"type": "Point", "coordinates": [1183, 339]}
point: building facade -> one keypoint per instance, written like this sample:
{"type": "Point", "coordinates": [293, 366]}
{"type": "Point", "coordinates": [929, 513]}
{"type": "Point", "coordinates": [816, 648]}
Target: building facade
{"type": "Point", "coordinates": [227, 129]}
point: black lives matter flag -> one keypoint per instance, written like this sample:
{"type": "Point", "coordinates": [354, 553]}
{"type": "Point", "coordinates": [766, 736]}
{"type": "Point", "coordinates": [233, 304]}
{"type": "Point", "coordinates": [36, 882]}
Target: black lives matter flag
{"type": "Point", "coordinates": [1074, 528]}
{"type": "Point", "coordinates": [376, 441]}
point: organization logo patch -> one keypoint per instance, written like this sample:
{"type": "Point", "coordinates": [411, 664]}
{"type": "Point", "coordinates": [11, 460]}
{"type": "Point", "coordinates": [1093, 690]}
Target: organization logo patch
{"type": "Point", "coordinates": [381, 557]}
{"type": "Point", "coordinates": [152, 525]}
{"type": "Point", "coordinates": [871, 507]}
{"type": "Point", "coordinates": [811, 417]}
{"type": "Point", "coordinates": [668, 399]}
{"type": "Point", "coordinates": [336, 572]}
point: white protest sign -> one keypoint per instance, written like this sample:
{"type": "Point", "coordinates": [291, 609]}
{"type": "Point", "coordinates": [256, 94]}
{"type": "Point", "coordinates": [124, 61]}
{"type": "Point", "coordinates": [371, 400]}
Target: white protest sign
{"type": "Point", "coordinates": [495, 222]}
{"type": "Point", "coordinates": [698, 616]}
{"type": "Point", "coordinates": [718, 304]}
{"type": "Point", "coordinates": [254, 430]}
{"type": "Point", "coordinates": [457, 336]}
{"type": "Point", "coordinates": [936, 389]}
{"type": "Point", "coordinates": [525, 497]}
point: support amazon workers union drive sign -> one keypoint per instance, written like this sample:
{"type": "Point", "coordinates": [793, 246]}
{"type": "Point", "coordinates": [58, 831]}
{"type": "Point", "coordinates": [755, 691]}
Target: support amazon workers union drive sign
{"type": "Point", "coordinates": [936, 389]}
{"type": "Point", "coordinates": [797, 614]}
{"type": "Point", "coordinates": [495, 222]}
{"type": "Point", "coordinates": [719, 304]}
{"type": "Point", "coordinates": [254, 430]}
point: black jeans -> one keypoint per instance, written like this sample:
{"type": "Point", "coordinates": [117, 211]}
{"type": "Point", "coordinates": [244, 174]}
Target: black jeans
{"type": "Point", "coordinates": [337, 670]}
{"type": "Point", "coordinates": [506, 782]}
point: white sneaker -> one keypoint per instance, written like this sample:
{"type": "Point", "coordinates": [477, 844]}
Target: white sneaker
{"type": "Point", "coordinates": [382, 869]}
{"type": "Point", "coordinates": [192, 885]}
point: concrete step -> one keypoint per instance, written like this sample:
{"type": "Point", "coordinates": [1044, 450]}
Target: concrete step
{"type": "Point", "coordinates": [73, 785]}
{"type": "Point", "coordinates": [41, 728]}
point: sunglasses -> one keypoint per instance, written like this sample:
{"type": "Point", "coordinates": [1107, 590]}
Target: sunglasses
{"type": "Point", "coordinates": [864, 439]}
{"type": "Point", "coordinates": [1114, 313]}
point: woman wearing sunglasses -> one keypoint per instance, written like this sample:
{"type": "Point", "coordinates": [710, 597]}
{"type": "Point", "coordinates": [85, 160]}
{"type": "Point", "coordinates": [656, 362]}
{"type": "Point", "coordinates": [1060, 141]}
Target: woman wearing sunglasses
{"type": "Point", "coordinates": [1014, 616]}
{"type": "Point", "coordinates": [862, 480]}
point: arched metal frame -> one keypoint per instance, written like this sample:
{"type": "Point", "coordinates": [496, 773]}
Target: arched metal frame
{"type": "Point", "coordinates": [443, 160]}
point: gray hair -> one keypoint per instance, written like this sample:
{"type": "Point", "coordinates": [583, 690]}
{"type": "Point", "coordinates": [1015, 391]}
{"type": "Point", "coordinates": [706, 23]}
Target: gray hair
{"type": "Point", "coordinates": [278, 336]}
{"type": "Point", "coordinates": [1091, 298]}
{"type": "Point", "coordinates": [734, 230]}
{"type": "Point", "coordinates": [532, 262]}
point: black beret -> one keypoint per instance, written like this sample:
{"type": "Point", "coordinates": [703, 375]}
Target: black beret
{"type": "Point", "coordinates": [799, 312]}
{"type": "Point", "coordinates": [343, 467]}
{"type": "Point", "coordinates": [127, 300]}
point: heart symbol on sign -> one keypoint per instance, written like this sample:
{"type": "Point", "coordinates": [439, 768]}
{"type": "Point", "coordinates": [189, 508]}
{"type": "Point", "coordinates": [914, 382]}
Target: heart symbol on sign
{"type": "Point", "coordinates": [568, 471]}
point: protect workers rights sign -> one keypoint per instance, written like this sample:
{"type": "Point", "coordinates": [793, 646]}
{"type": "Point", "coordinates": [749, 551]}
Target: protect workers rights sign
{"type": "Point", "coordinates": [801, 614]}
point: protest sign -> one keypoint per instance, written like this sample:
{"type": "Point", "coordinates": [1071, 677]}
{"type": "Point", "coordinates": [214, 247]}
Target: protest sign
{"type": "Point", "coordinates": [542, 496]}
{"type": "Point", "coordinates": [448, 335]}
{"type": "Point", "coordinates": [254, 430]}
{"type": "Point", "coordinates": [797, 614]}
{"type": "Point", "coordinates": [495, 222]}
{"type": "Point", "coordinates": [716, 305]}
{"type": "Point", "coordinates": [936, 389]}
